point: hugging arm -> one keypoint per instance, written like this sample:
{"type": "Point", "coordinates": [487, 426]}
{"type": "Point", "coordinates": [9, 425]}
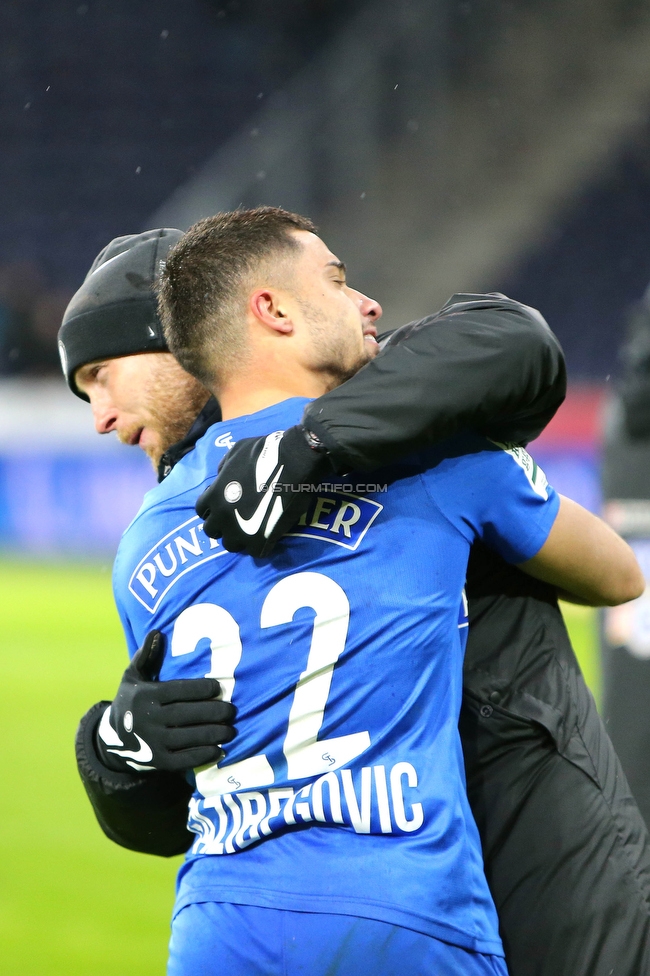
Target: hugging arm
{"type": "Point", "coordinates": [586, 560]}
{"type": "Point", "coordinates": [133, 752]}
{"type": "Point", "coordinates": [483, 362]}
{"type": "Point", "coordinates": [144, 812]}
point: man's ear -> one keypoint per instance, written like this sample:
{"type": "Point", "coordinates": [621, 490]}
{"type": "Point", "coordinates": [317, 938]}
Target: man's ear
{"type": "Point", "coordinates": [270, 310]}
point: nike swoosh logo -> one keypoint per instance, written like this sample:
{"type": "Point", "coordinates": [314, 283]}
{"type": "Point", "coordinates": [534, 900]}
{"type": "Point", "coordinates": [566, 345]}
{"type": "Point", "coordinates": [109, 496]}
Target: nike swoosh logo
{"type": "Point", "coordinates": [139, 766]}
{"type": "Point", "coordinates": [143, 754]}
{"type": "Point", "coordinates": [106, 263]}
{"type": "Point", "coordinates": [274, 517]}
{"type": "Point", "coordinates": [251, 526]}
{"type": "Point", "coordinates": [109, 736]}
{"type": "Point", "coordinates": [106, 732]}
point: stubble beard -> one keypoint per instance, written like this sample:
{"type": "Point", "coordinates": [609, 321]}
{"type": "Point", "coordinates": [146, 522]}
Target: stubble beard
{"type": "Point", "coordinates": [341, 373]}
{"type": "Point", "coordinates": [336, 358]}
{"type": "Point", "coordinates": [173, 412]}
{"type": "Point", "coordinates": [172, 404]}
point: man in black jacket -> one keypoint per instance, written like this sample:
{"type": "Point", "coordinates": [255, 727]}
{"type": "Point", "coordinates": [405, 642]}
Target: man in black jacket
{"type": "Point", "coordinates": [566, 852]}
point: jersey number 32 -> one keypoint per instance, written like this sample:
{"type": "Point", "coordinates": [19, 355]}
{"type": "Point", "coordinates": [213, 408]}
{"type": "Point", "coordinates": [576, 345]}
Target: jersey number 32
{"type": "Point", "coordinates": [306, 755]}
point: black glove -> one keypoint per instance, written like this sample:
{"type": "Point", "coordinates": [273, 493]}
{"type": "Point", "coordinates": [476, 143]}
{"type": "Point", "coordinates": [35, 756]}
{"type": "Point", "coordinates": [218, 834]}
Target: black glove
{"type": "Point", "coordinates": [164, 725]}
{"type": "Point", "coordinates": [252, 504]}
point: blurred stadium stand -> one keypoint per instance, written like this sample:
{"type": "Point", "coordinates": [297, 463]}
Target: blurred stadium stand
{"type": "Point", "coordinates": [30, 316]}
{"type": "Point", "coordinates": [64, 491]}
{"type": "Point", "coordinates": [569, 450]}
{"type": "Point", "coordinates": [440, 146]}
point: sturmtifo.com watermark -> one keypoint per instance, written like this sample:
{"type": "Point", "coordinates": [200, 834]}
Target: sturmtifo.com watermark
{"type": "Point", "coordinates": [326, 487]}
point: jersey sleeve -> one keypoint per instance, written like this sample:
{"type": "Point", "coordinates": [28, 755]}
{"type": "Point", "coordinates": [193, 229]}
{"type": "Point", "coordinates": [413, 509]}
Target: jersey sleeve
{"type": "Point", "coordinates": [483, 362]}
{"type": "Point", "coordinates": [496, 493]}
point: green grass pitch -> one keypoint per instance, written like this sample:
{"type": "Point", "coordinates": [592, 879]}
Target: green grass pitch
{"type": "Point", "coordinates": [71, 902]}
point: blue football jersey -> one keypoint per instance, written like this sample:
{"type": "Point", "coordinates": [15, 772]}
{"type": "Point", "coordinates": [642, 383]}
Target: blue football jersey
{"type": "Point", "coordinates": [344, 789]}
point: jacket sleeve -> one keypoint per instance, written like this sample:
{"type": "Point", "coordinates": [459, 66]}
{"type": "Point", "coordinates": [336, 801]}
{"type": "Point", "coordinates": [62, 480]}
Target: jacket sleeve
{"type": "Point", "coordinates": [483, 362]}
{"type": "Point", "coordinates": [143, 812]}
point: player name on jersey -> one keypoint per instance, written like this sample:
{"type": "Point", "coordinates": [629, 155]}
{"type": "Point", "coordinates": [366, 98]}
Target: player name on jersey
{"type": "Point", "coordinates": [382, 800]}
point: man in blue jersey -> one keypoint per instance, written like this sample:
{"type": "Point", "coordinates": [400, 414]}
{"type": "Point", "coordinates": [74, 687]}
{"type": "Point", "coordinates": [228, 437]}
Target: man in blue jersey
{"type": "Point", "coordinates": [335, 836]}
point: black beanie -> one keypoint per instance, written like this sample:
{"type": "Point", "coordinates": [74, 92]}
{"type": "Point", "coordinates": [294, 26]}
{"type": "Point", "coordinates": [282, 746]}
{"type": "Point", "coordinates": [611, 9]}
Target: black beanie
{"type": "Point", "coordinates": [114, 313]}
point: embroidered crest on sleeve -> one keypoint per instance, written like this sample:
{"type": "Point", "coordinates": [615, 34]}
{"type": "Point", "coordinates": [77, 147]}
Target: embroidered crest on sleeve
{"type": "Point", "coordinates": [536, 477]}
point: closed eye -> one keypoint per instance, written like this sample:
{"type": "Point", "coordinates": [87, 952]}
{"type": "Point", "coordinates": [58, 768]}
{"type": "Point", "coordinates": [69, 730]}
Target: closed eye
{"type": "Point", "coordinates": [96, 373]}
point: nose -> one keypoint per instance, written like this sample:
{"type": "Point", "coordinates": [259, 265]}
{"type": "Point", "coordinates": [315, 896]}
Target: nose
{"type": "Point", "coordinates": [105, 416]}
{"type": "Point", "coordinates": [369, 308]}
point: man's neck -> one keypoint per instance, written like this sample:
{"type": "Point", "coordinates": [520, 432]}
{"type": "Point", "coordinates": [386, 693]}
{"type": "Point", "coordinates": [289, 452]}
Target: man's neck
{"type": "Point", "coordinates": [241, 398]}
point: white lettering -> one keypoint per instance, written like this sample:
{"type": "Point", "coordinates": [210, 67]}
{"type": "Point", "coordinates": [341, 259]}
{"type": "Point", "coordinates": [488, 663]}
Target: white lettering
{"type": "Point", "coordinates": [250, 820]}
{"type": "Point", "coordinates": [276, 796]}
{"type": "Point", "coordinates": [157, 563]}
{"type": "Point", "coordinates": [172, 559]}
{"type": "Point", "coordinates": [206, 620]}
{"type": "Point", "coordinates": [246, 817]}
{"type": "Point", "coordinates": [216, 847]}
{"type": "Point", "coordinates": [396, 773]}
{"type": "Point", "coordinates": [303, 810]}
{"type": "Point", "coordinates": [182, 544]}
{"type": "Point", "coordinates": [203, 827]}
{"type": "Point", "coordinates": [334, 791]}
{"type": "Point", "coordinates": [341, 521]}
{"type": "Point", "coordinates": [382, 799]}
{"type": "Point", "coordinates": [323, 507]}
{"type": "Point", "coordinates": [148, 582]}
{"type": "Point", "coordinates": [360, 820]}
{"type": "Point", "coordinates": [229, 800]}
{"type": "Point", "coordinates": [288, 810]}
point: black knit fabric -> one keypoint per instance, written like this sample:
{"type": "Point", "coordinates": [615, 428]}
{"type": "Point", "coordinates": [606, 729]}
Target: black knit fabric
{"type": "Point", "coordinates": [114, 313]}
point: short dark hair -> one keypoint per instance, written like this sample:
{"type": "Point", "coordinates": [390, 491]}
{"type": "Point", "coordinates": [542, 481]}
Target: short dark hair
{"type": "Point", "coordinates": [200, 291]}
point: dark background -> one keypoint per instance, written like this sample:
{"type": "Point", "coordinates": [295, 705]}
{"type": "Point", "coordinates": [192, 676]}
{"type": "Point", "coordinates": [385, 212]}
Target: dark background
{"type": "Point", "coordinates": [107, 106]}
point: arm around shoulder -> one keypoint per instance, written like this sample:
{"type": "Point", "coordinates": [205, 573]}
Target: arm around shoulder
{"type": "Point", "coordinates": [143, 812]}
{"type": "Point", "coordinates": [483, 362]}
{"type": "Point", "coordinates": [586, 559]}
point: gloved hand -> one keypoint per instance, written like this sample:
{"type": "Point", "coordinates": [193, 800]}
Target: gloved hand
{"type": "Point", "coordinates": [164, 725]}
{"type": "Point", "coordinates": [252, 504]}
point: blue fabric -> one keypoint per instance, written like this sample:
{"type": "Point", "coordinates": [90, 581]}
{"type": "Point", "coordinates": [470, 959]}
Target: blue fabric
{"type": "Point", "coordinates": [344, 790]}
{"type": "Point", "coordinates": [210, 939]}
